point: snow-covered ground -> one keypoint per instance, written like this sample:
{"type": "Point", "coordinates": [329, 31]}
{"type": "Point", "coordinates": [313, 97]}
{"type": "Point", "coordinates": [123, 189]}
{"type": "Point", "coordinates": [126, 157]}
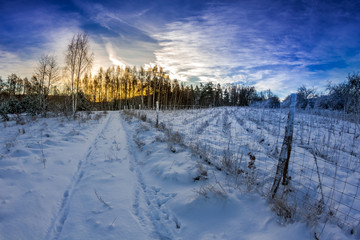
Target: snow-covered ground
{"type": "Point", "coordinates": [324, 163]}
{"type": "Point", "coordinates": [111, 176]}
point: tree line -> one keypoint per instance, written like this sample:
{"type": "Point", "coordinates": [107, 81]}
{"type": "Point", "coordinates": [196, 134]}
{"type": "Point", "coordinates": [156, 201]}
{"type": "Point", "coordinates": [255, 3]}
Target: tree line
{"type": "Point", "coordinates": [344, 96]}
{"type": "Point", "coordinates": [117, 88]}
{"type": "Point", "coordinates": [112, 89]}
{"type": "Point", "coordinates": [109, 89]}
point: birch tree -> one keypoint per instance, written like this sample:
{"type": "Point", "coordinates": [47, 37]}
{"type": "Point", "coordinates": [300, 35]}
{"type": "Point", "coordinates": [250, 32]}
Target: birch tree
{"type": "Point", "coordinates": [78, 60]}
{"type": "Point", "coordinates": [46, 72]}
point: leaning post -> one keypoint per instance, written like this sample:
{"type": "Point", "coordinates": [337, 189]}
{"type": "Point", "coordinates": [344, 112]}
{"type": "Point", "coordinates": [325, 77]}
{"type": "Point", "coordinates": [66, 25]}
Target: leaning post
{"type": "Point", "coordinates": [157, 113]}
{"type": "Point", "coordinates": [284, 158]}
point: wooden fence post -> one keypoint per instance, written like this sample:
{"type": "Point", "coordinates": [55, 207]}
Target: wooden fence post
{"type": "Point", "coordinates": [283, 164]}
{"type": "Point", "coordinates": [157, 114]}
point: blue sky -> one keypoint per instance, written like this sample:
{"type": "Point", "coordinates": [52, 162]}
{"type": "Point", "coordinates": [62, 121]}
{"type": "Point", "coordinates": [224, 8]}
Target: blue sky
{"type": "Point", "coordinates": [269, 44]}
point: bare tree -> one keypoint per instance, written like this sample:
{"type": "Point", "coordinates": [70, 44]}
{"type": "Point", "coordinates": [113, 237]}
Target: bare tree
{"type": "Point", "coordinates": [304, 94]}
{"type": "Point", "coordinates": [134, 83]}
{"type": "Point", "coordinates": [46, 72]}
{"type": "Point", "coordinates": [78, 61]}
{"type": "Point", "coordinates": [142, 79]}
{"type": "Point", "coordinates": [118, 85]}
{"type": "Point", "coordinates": [53, 73]}
{"type": "Point", "coordinates": [52, 77]}
{"type": "Point", "coordinates": [40, 73]}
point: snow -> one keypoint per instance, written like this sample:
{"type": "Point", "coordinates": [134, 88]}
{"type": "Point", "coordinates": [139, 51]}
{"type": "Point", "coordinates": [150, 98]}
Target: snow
{"type": "Point", "coordinates": [110, 176]}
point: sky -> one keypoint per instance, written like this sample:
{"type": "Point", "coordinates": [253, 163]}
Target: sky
{"type": "Point", "coordinates": [278, 45]}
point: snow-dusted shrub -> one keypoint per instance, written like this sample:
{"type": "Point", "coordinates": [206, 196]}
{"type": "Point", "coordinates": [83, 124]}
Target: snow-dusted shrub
{"type": "Point", "coordinates": [211, 190]}
{"type": "Point", "coordinates": [231, 163]}
{"type": "Point", "coordinates": [10, 106]}
{"type": "Point", "coordinates": [323, 102]}
{"type": "Point", "coordinates": [273, 102]}
{"type": "Point", "coordinates": [129, 115]}
{"type": "Point", "coordinates": [281, 206]}
{"type": "Point", "coordinates": [83, 103]}
{"type": "Point", "coordinates": [97, 116]}
{"type": "Point", "coordinates": [202, 172]}
{"type": "Point", "coordinates": [83, 117]}
{"type": "Point", "coordinates": [20, 119]}
{"type": "Point", "coordinates": [175, 137]}
{"type": "Point", "coordinates": [143, 117]}
{"type": "Point", "coordinates": [3, 113]}
{"type": "Point", "coordinates": [31, 105]}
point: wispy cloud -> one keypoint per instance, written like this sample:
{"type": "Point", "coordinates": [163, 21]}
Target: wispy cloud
{"type": "Point", "coordinates": [120, 38]}
{"type": "Point", "coordinates": [32, 31]}
{"type": "Point", "coordinates": [248, 44]}
{"type": "Point", "coordinates": [12, 63]}
{"type": "Point", "coordinates": [23, 60]}
{"type": "Point", "coordinates": [113, 39]}
{"type": "Point", "coordinates": [219, 46]}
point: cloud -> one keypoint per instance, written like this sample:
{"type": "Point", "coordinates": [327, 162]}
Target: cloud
{"type": "Point", "coordinates": [117, 36]}
{"type": "Point", "coordinates": [217, 46]}
{"type": "Point", "coordinates": [23, 61]}
{"type": "Point", "coordinates": [112, 39]}
{"type": "Point", "coordinates": [267, 45]}
{"type": "Point", "coordinates": [117, 61]}
{"type": "Point", "coordinates": [30, 32]}
{"type": "Point", "coordinates": [12, 63]}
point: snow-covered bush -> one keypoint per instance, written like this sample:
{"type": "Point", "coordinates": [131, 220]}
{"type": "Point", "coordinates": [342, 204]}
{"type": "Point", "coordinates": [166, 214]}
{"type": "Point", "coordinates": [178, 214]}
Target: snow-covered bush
{"type": "Point", "coordinates": [272, 102]}
{"type": "Point", "coordinates": [31, 105]}
{"type": "Point", "coordinates": [10, 106]}
{"type": "Point", "coordinates": [83, 103]}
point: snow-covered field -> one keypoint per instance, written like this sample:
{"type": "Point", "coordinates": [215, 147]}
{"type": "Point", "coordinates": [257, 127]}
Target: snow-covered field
{"type": "Point", "coordinates": [325, 158]}
{"type": "Point", "coordinates": [112, 176]}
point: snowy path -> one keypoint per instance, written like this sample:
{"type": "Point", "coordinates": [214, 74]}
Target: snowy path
{"type": "Point", "coordinates": [97, 203]}
{"type": "Point", "coordinates": [107, 197]}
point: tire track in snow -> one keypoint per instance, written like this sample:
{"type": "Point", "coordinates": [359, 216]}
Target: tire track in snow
{"type": "Point", "coordinates": [58, 221]}
{"type": "Point", "coordinates": [153, 210]}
